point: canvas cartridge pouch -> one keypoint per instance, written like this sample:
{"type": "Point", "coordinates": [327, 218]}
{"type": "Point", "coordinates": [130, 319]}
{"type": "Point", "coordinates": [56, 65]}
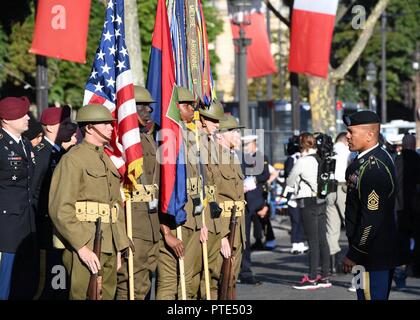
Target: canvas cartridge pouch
{"type": "Point", "coordinates": [146, 193]}
{"type": "Point", "coordinates": [89, 211]}
{"type": "Point", "coordinates": [227, 207]}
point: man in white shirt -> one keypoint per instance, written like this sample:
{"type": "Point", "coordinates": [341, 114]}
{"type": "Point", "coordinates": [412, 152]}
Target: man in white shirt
{"type": "Point", "coordinates": [336, 201]}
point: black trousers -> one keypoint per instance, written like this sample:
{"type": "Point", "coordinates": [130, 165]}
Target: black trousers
{"type": "Point", "coordinates": [246, 271]}
{"type": "Point", "coordinates": [315, 226]}
{"type": "Point", "coordinates": [263, 227]}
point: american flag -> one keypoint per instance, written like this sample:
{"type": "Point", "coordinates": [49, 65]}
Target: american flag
{"type": "Point", "coordinates": [110, 84]}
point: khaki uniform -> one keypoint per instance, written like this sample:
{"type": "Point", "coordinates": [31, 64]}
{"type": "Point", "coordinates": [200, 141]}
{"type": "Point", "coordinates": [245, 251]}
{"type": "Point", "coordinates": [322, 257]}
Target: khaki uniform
{"type": "Point", "coordinates": [167, 282]}
{"type": "Point", "coordinates": [86, 185]}
{"type": "Point", "coordinates": [208, 150]}
{"type": "Point", "coordinates": [230, 188]}
{"type": "Point", "coordinates": [146, 227]}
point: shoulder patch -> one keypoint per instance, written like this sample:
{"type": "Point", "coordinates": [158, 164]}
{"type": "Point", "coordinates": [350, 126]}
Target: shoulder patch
{"type": "Point", "coordinates": [40, 146]}
{"type": "Point", "coordinates": [373, 201]}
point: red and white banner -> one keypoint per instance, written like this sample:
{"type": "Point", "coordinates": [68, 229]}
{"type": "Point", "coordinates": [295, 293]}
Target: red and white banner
{"type": "Point", "coordinates": [61, 29]}
{"type": "Point", "coordinates": [311, 36]}
{"type": "Point", "coordinates": [260, 61]}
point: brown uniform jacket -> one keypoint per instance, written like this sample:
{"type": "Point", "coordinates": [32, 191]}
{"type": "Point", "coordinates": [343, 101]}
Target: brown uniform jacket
{"type": "Point", "coordinates": [86, 173]}
{"type": "Point", "coordinates": [230, 187]}
{"type": "Point", "coordinates": [192, 222]}
{"type": "Point", "coordinates": [145, 225]}
{"type": "Point", "coordinates": [208, 151]}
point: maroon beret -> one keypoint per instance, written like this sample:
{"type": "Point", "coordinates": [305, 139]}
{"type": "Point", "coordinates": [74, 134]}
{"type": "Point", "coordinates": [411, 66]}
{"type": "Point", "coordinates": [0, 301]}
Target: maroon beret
{"type": "Point", "coordinates": [53, 115]}
{"type": "Point", "coordinates": [13, 108]}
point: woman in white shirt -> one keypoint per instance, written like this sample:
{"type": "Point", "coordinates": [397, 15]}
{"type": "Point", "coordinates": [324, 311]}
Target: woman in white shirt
{"type": "Point", "coordinates": [304, 179]}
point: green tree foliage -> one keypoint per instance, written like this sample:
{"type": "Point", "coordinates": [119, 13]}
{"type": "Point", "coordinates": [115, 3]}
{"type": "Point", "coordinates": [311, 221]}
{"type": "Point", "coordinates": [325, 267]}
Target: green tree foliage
{"type": "Point", "coordinates": [3, 54]}
{"type": "Point", "coordinates": [67, 79]}
{"type": "Point", "coordinates": [402, 36]}
{"type": "Point", "coordinates": [214, 27]}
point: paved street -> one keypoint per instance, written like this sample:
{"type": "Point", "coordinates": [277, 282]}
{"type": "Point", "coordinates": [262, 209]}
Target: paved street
{"type": "Point", "coordinates": [279, 270]}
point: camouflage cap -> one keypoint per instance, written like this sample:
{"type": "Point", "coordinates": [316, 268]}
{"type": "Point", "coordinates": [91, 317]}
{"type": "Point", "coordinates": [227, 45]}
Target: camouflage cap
{"type": "Point", "coordinates": [214, 111]}
{"type": "Point", "coordinates": [229, 122]}
{"type": "Point", "coordinates": [94, 113]}
{"type": "Point", "coordinates": [142, 95]}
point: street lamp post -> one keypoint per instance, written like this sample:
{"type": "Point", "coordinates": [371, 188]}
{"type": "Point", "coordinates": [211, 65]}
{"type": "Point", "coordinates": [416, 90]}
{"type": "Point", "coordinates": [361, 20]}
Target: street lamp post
{"type": "Point", "coordinates": [371, 77]}
{"type": "Point", "coordinates": [241, 44]}
{"type": "Point", "coordinates": [41, 80]}
{"type": "Point", "coordinates": [416, 67]}
{"type": "Point", "coordinates": [383, 70]}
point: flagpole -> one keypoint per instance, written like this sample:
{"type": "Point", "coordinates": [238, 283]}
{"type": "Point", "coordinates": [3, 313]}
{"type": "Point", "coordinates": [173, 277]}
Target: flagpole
{"type": "Point", "coordinates": [206, 261]}
{"type": "Point", "coordinates": [130, 252]}
{"type": "Point", "coordinates": [204, 243]}
{"type": "Point", "coordinates": [181, 267]}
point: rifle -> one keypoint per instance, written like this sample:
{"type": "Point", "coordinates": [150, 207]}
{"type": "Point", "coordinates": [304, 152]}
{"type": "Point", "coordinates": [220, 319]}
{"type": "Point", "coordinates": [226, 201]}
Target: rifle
{"type": "Point", "coordinates": [227, 276]}
{"type": "Point", "coordinates": [94, 291]}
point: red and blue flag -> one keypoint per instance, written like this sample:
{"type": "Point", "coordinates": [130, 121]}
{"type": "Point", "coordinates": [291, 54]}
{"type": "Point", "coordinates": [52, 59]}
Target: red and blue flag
{"type": "Point", "coordinates": [162, 85]}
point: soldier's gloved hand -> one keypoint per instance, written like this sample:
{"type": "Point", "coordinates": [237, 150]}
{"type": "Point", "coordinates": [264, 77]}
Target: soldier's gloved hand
{"type": "Point", "coordinates": [175, 244]}
{"type": "Point", "coordinates": [225, 248]}
{"type": "Point", "coordinates": [204, 234]}
{"type": "Point", "coordinates": [118, 260]}
{"type": "Point", "coordinates": [198, 209]}
{"type": "Point", "coordinates": [90, 259]}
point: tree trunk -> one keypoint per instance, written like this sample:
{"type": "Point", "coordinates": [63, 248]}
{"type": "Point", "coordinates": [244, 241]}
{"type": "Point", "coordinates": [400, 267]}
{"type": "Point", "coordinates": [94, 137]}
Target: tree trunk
{"type": "Point", "coordinates": [132, 40]}
{"type": "Point", "coordinates": [322, 101]}
{"type": "Point", "coordinates": [322, 91]}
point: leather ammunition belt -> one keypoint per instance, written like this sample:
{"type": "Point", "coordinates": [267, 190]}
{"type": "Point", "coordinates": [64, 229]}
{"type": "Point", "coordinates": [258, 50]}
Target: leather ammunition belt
{"type": "Point", "coordinates": [210, 193]}
{"type": "Point", "coordinates": [227, 207]}
{"type": "Point", "coordinates": [145, 193]}
{"type": "Point", "coordinates": [89, 211]}
{"type": "Point", "coordinates": [193, 186]}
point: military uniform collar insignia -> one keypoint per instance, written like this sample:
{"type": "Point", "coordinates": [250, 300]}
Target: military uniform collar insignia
{"type": "Point", "coordinates": [1, 135]}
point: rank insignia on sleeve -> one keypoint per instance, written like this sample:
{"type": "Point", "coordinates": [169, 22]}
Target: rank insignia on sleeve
{"type": "Point", "coordinates": [373, 201]}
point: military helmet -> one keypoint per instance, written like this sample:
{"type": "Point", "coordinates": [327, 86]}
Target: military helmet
{"type": "Point", "coordinates": [185, 95]}
{"type": "Point", "coordinates": [142, 95]}
{"type": "Point", "coordinates": [94, 113]}
{"type": "Point", "coordinates": [214, 111]}
{"type": "Point", "coordinates": [229, 122]}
